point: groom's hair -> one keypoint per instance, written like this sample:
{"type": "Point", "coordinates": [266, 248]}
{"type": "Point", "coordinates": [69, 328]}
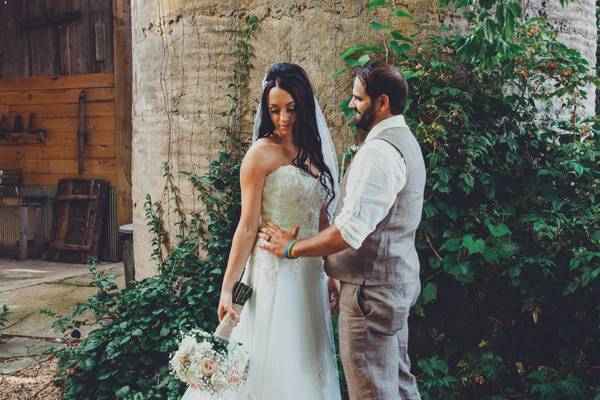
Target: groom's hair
{"type": "Point", "coordinates": [382, 78]}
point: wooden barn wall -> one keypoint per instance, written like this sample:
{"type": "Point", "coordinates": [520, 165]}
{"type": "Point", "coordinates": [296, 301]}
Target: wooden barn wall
{"type": "Point", "coordinates": [48, 37]}
{"type": "Point", "coordinates": [44, 69]}
{"type": "Point", "coordinates": [54, 100]}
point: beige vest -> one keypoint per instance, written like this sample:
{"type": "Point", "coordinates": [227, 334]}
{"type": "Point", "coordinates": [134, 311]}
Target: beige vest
{"type": "Point", "coordinates": [388, 254]}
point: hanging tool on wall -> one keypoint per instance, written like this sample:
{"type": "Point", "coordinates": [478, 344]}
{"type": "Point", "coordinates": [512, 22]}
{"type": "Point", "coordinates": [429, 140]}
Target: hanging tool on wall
{"type": "Point", "coordinates": [81, 131]}
{"type": "Point", "coordinates": [18, 134]}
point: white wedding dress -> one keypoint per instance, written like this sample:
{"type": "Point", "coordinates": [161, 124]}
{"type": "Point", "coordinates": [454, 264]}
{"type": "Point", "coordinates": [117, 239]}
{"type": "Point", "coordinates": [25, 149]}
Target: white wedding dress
{"type": "Point", "coordinates": [286, 324]}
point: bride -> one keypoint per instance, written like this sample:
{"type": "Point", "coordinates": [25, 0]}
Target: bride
{"type": "Point", "coordinates": [289, 177]}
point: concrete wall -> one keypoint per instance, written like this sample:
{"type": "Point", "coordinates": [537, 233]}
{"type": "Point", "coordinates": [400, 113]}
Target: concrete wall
{"type": "Point", "coordinates": [181, 66]}
{"type": "Point", "coordinates": [575, 25]}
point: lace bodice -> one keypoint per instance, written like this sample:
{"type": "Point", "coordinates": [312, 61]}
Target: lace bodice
{"type": "Point", "coordinates": [292, 197]}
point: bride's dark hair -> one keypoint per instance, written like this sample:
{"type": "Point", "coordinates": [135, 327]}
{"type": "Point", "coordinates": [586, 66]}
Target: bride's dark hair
{"type": "Point", "coordinates": [305, 133]}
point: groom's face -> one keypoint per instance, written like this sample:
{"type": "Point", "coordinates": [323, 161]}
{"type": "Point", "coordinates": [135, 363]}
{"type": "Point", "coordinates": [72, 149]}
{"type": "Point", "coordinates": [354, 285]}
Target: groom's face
{"type": "Point", "coordinates": [363, 105]}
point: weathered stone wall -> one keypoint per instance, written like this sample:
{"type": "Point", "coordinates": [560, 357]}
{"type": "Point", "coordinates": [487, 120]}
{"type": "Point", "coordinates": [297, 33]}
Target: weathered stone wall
{"type": "Point", "coordinates": [575, 24]}
{"type": "Point", "coordinates": [181, 65]}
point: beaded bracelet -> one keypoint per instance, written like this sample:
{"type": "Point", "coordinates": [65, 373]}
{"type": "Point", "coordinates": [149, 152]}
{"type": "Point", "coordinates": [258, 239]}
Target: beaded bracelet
{"type": "Point", "coordinates": [287, 253]}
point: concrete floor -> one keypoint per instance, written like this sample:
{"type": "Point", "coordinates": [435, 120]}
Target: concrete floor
{"type": "Point", "coordinates": [28, 286]}
{"type": "Point", "coordinates": [31, 285]}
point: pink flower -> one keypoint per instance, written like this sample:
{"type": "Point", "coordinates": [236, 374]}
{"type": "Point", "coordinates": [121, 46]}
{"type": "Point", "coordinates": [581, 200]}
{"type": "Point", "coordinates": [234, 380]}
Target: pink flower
{"type": "Point", "coordinates": [234, 378]}
{"type": "Point", "coordinates": [208, 366]}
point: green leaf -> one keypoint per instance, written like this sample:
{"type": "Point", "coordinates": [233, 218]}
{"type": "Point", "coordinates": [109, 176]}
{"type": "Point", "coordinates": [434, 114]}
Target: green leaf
{"type": "Point", "coordinates": [460, 271]}
{"type": "Point", "coordinates": [377, 3]}
{"type": "Point", "coordinates": [429, 293]}
{"type": "Point", "coordinates": [402, 13]}
{"type": "Point", "coordinates": [378, 27]}
{"type": "Point", "coordinates": [408, 74]}
{"type": "Point", "coordinates": [499, 230]}
{"type": "Point", "coordinates": [339, 72]}
{"type": "Point", "coordinates": [474, 246]}
{"type": "Point", "coordinates": [451, 245]}
{"type": "Point", "coordinates": [87, 364]}
{"type": "Point", "coordinates": [344, 106]}
{"type": "Point", "coordinates": [509, 25]}
{"type": "Point", "coordinates": [399, 36]}
{"type": "Point", "coordinates": [399, 48]}
{"type": "Point", "coordinates": [576, 167]}
{"type": "Point", "coordinates": [122, 392]}
{"type": "Point", "coordinates": [360, 47]}
{"type": "Point", "coordinates": [489, 30]}
{"type": "Point", "coordinates": [514, 9]}
{"type": "Point", "coordinates": [362, 60]}
{"type": "Point", "coordinates": [489, 255]}
{"type": "Point", "coordinates": [137, 332]}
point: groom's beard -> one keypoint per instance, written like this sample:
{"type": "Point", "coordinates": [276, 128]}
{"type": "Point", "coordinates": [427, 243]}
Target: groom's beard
{"type": "Point", "coordinates": [365, 119]}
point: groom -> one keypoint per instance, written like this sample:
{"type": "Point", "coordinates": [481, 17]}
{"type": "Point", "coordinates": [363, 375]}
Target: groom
{"type": "Point", "coordinates": [370, 246]}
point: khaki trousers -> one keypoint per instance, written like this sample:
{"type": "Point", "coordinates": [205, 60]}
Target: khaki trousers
{"type": "Point", "coordinates": [374, 341]}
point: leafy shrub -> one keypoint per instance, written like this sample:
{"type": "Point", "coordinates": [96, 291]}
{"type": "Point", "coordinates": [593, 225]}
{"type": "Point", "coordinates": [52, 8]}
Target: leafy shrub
{"type": "Point", "coordinates": [127, 357]}
{"type": "Point", "coordinates": [510, 240]}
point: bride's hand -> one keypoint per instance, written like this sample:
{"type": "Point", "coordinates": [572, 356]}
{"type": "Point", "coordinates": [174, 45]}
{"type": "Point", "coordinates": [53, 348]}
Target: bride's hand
{"type": "Point", "coordinates": [226, 307]}
{"type": "Point", "coordinates": [333, 288]}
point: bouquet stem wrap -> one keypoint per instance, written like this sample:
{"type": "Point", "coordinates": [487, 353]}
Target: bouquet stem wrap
{"type": "Point", "coordinates": [241, 294]}
{"type": "Point", "coordinates": [227, 324]}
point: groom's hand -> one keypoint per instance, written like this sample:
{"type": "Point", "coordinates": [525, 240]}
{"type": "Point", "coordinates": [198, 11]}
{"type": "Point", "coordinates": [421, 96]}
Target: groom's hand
{"type": "Point", "coordinates": [333, 288]}
{"type": "Point", "coordinates": [277, 239]}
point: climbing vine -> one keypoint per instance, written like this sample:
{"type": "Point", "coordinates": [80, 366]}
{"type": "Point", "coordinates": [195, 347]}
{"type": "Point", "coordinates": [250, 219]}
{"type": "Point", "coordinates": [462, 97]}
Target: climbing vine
{"type": "Point", "coordinates": [127, 356]}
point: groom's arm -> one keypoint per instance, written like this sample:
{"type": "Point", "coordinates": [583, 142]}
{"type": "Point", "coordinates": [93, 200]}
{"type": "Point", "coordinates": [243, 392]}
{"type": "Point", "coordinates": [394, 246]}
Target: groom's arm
{"type": "Point", "coordinates": [326, 242]}
{"type": "Point", "coordinates": [377, 176]}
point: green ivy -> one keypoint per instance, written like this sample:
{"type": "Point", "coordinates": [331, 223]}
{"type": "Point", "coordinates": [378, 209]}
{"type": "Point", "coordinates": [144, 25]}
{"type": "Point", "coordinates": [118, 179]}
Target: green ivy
{"type": "Point", "coordinates": [509, 243]}
{"type": "Point", "coordinates": [4, 315]}
{"type": "Point", "coordinates": [127, 357]}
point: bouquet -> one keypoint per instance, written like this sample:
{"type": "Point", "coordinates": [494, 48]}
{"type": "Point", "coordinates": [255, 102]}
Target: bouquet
{"type": "Point", "coordinates": [212, 363]}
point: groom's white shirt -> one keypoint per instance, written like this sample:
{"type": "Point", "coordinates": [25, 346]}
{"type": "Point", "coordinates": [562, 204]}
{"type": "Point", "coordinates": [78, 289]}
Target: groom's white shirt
{"type": "Point", "coordinates": [377, 175]}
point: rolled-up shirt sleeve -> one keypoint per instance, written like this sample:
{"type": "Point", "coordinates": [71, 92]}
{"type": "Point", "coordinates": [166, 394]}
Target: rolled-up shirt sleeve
{"type": "Point", "coordinates": [377, 175]}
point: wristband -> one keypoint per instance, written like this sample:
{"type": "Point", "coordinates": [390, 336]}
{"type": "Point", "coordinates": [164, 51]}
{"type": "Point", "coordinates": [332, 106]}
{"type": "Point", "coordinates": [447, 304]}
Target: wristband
{"type": "Point", "coordinates": [287, 253]}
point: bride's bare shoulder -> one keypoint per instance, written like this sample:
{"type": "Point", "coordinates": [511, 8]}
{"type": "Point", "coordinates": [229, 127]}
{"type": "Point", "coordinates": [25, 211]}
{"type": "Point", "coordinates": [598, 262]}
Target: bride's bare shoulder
{"type": "Point", "coordinates": [263, 157]}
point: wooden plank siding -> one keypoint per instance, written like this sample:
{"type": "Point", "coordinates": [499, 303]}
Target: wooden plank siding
{"type": "Point", "coordinates": [123, 100]}
{"type": "Point", "coordinates": [44, 65]}
{"type": "Point", "coordinates": [54, 100]}
{"type": "Point", "coordinates": [32, 43]}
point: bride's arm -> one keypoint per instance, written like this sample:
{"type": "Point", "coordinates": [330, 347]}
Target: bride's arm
{"type": "Point", "coordinates": [254, 168]}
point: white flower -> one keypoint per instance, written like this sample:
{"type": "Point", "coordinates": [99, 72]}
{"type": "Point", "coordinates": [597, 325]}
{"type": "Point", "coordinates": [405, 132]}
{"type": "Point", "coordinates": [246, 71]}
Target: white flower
{"type": "Point", "coordinates": [219, 382]}
{"type": "Point", "coordinates": [208, 366]}
{"type": "Point", "coordinates": [197, 363]}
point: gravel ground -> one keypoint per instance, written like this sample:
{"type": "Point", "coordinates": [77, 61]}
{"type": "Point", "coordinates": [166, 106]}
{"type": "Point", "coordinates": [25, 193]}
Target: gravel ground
{"type": "Point", "coordinates": [35, 383]}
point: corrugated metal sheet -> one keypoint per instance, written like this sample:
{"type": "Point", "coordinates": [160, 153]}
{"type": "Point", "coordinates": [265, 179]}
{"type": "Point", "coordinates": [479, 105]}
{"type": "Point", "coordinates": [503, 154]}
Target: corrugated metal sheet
{"type": "Point", "coordinates": [10, 217]}
{"type": "Point", "coordinates": [46, 194]}
{"type": "Point", "coordinates": [109, 250]}
{"type": "Point", "coordinates": [9, 223]}
{"type": "Point", "coordinates": [9, 230]}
